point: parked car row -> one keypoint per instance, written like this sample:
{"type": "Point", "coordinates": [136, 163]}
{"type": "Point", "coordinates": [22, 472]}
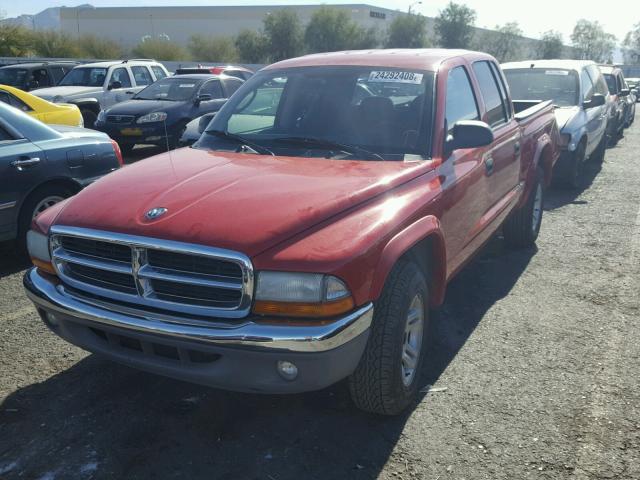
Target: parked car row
{"type": "Point", "coordinates": [321, 211]}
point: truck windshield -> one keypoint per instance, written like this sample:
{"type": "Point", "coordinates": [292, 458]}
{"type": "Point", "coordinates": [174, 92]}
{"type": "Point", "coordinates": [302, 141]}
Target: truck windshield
{"type": "Point", "coordinates": [351, 112]}
{"type": "Point", "coordinates": [85, 77]}
{"type": "Point", "coordinates": [173, 89]}
{"type": "Point", "coordinates": [14, 77]}
{"type": "Point", "coordinates": [558, 85]}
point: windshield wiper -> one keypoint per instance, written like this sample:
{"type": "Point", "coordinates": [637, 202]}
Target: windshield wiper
{"type": "Point", "coordinates": [329, 144]}
{"type": "Point", "coordinates": [245, 145]}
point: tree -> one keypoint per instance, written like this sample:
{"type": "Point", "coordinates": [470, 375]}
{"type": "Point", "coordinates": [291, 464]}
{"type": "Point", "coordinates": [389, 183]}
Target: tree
{"type": "Point", "coordinates": [591, 42]}
{"type": "Point", "coordinates": [54, 44]}
{"type": "Point", "coordinates": [160, 49]}
{"type": "Point", "coordinates": [251, 46]}
{"type": "Point", "coordinates": [504, 42]}
{"type": "Point", "coordinates": [15, 41]}
{"type": "Point", "coordinates": [283, 31]}
{"type": "Point", "coordinates": [331, 29]}
{"type": "Point", "coordinates": [408, 31]}
{"type": "Point", "coordinates": [550, 45]}
{"type": "Point", "coordinates": [631, 45]}
{"type": "Point", "coordinates": [99, 48]}
{"type": "Point", "coordinates": [454, 26]}
{"type": "Point", "coordinates": [212, 49]}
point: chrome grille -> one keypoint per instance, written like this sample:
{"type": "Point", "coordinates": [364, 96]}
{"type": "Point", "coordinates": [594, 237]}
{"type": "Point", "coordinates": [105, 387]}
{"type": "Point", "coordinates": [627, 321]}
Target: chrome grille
{"type": "Point", "coordinates": [120, 119]}
{"type": "Point", "coordinates": [172, 277]}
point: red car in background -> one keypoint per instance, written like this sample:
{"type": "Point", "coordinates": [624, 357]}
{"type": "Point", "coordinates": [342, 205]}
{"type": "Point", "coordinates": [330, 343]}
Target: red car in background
{"type": "Point", "coordinates": [304, 237]}
{"type": "Point", "coordinates": [232, 70]}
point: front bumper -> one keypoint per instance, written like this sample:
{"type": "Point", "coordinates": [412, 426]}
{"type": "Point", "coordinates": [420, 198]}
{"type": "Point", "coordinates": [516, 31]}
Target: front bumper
{"type": "Point", "coordinates": [131, 134]}
{"type": "Point", "coordinates": [241, 357]}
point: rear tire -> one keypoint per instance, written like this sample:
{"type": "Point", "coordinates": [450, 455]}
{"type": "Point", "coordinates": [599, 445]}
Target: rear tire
{"type": "Point", "coordinates": [523, 226]}
{"type": "Point", "coordinates": [573, 178]}
{"type": "Point", "coordinates": [387, 378]}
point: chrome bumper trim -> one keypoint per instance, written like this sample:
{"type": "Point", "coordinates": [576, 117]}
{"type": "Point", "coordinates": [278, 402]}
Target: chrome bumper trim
{"type": "Point", "coordinates": [5, 206]}
{"type": "Point", "coordinates": [292, 338]}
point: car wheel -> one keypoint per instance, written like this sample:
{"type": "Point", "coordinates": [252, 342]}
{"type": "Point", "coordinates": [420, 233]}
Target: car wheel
{"type": "Point", "coordinates": [386, 380]}
{"type": "Point", "coordinates": [600, 151]}
{"type": "Point", "coordinates": [523, 226]}
{"type": "Point", "coordinates": [89, 117]}
{"type": "Point", "coordinates": [573, 177]}
{"type": "Point", "coordinates": [37, 202]}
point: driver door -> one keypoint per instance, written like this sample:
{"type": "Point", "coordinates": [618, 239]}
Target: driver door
{"type": "Point", "coordinates": [119, 87]}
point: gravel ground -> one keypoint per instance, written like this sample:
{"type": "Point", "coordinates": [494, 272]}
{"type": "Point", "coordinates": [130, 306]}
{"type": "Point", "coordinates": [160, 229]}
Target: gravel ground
{"type": "Point", "coordinates": [535, 355]}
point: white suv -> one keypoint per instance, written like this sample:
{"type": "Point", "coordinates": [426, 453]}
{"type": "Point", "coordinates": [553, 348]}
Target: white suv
{"type": "Point", "coordinates": [94, 86]}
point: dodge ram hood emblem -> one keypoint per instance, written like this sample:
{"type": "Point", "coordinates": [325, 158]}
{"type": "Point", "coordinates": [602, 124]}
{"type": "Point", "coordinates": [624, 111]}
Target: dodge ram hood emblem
{"type": "Point", "coordinates": [155, 213]}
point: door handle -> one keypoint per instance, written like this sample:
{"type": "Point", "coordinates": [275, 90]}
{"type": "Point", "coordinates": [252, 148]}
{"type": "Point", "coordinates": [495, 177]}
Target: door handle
{"type": "Point", "coordinates": [488, 165]}
{"type": "Point", "coordinates": [129, 92]}
{"type": "Point", "coordinates": [516, 147]}
{"type": "Point", "coordinates": [25, 163]}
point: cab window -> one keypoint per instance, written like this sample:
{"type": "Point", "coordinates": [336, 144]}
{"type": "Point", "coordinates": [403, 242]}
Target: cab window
{"type": "Point", "coordinates": [158, 72]}
{"type": "Point", "coordinates": [121, 75]}
{"type": "Point", "coordinates": [212, 88]}
{"type": "Point", "coordinates": [496, 109]}
{"type": "Point", "coordinates": [460, 102]}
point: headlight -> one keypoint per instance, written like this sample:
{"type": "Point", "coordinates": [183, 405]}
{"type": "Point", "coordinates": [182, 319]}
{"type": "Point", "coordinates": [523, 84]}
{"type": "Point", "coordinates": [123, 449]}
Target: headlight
{"type": "Point", "coordinates": [38, 248]}
{"type": "Point", "coordinates": [301, 295]}
{"type": "Point", "coordinates": [153, 117]}
{"type": "Point", "coordinates": [102, 116]}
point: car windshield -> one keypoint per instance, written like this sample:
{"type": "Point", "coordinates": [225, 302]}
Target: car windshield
{"type": "Point", "coordinates": [174, 89]}
{"type": "Point", "coordinates": [85, 77]}
{"type": "Point", "coordinates": [555, 84]}
{"type": "Point", "coordinates": [14, 77]}
{"type": "Point", "coordinates": [364, 113]}
{"type": "Point", "coordinates": [611, 82]}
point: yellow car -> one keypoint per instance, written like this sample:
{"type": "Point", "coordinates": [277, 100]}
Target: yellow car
{"type": "Point", "coordinates": [47, 112]}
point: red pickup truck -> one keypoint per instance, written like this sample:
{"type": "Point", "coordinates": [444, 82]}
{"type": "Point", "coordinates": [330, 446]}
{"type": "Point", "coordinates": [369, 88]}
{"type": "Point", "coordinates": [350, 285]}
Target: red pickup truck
{"type": "Point", "coordinates": [304, 237]}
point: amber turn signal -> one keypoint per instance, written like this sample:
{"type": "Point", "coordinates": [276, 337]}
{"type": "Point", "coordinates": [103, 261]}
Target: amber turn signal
{"type": "Point", "coordinates": [44, 266]}
{"type": "Point", "coordinates": [297, 310]}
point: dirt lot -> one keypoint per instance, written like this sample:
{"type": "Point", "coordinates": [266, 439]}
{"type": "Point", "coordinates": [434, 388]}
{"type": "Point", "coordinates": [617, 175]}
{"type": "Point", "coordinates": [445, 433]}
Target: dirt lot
{"type": "Point", "coordinates": [538, 352]}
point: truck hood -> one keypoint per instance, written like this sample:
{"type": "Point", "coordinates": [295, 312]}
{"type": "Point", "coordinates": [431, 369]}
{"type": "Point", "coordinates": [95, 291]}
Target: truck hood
{"type": "Point", "coordinates": [66, 92]}
{"type": "Point", "coordinates": [242, 202]}
{"type": "Point", "coordinates": [564, 115]}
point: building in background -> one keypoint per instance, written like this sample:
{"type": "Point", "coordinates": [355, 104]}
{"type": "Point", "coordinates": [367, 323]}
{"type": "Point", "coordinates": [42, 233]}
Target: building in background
{"type": "Point", "coordinates": [129, 25]}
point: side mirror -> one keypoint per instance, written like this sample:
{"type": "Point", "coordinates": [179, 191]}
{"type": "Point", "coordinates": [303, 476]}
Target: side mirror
{"type": "Point", "coordinates": [596, 101]}
{"type": "Point", "coordinates": [468, 134]}
{"type": "Point", "coordinates": [203, 97]}
{"type": "Point", "coordinates": [204, 122]}
{"type": "Point", "coordinates": [114, 85]}
{"type": "Point", "coordinates": [625, 92]}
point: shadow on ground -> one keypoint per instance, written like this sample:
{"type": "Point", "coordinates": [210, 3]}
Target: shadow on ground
{"type": "Point", "coordinates": [116, 422]}
{"type": "Point", "coordinates": [10, 261]}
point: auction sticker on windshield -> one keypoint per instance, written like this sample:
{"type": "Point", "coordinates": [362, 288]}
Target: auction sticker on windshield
{"type": "Point", "coordinates": [395, 76]}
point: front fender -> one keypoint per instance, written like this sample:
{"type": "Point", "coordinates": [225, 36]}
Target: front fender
{"type": "Point", "coordinates": [426, 228]}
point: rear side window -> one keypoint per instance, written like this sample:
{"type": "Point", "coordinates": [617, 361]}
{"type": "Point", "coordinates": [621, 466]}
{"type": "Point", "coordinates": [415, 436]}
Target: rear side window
{"type": "Point", "coordinates": [461, 102]}
{"type": "Point", "coordinates": [587, 86]}
{"type": "Point", "coordinates": [158, 72]}
{"type": "Point", "coordinates": [4, 135]}
{"type": "Point", "coordinates": [142, 75]}
{"type": "Point", "coordinates": [212, 88]}
{"type": "Point", "coordinates": [611, 83]}
{"type": "Point", "coordinates": [502, 87]}
{"type": "Point", "coordinates": [496, 110]}
{"type": "Point", "coordinates": [121, 75]}
{"type": "Point", "coordinates": [42, 77]}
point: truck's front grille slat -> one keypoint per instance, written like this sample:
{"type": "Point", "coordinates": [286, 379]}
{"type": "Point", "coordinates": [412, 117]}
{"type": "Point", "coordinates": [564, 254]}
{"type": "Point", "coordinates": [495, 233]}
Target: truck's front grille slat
{"type": "Point", "coordinates": [159, 276]}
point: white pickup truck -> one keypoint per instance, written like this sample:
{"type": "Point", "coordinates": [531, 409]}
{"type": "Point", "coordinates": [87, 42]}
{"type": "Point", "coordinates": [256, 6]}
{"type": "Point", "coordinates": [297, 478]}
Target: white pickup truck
{"type": "Point", "coordinates": [94, 86]}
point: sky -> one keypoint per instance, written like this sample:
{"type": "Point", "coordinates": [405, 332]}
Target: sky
{"type": "Point", "coordinates": [534, 17]}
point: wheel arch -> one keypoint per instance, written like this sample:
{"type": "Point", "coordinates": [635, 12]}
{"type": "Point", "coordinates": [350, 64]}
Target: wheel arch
{"type": "Point", "coordinates": [423, 243]}
{"type": "Point", "coordinates": [62, 182]}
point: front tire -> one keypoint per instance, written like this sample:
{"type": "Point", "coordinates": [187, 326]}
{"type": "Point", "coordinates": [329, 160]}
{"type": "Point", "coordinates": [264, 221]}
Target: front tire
{"type": "Point", "coordinates": [523, 226]}
{"type": "Point", "coordinates": [386, 380]}
{"type": "Point", "coordinates": [600, 151]}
